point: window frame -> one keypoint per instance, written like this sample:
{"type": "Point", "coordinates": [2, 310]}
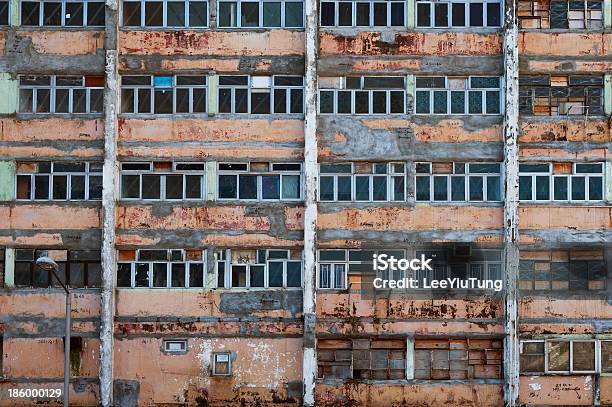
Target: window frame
{"type": "Point", "coordinates": [551, 183]}
{"type": "Point", "coordinates": [87, 174]}
{"type": "Point", "coordinates": [344, 87]}
{"type": "Point", "coordinates": [214, 364]}
{"type": "Point", "coordinates": [41, 13]}
{"type": "Point", "coordinates": [571, 371]}
{"type": "Point", "coordinates": [238, 14]}
{"type": "Point", "coordinates": [449, 14]}
{"type": "Point", "coordinates": [168, 342]}
{"type": "Point", "coordinates": [187, 9]}
{"type": "Point", "coordinates": [163, 174]}
{"type": "Point", "coordinates": [466, 90]}
{"type": "Point", "coordinates": [52, 87]}
{"type": "Point", "coordinates": [371, 19]}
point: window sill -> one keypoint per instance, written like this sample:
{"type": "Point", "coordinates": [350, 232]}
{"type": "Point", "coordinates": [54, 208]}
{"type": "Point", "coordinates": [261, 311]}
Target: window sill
{"type": "Point", "coordinates": [80, 116]}
{"type": "Point", "coordinates": [33, 28]}
{"type": "Point", "coordinates": [409, 381]}
{"type": "Point", "coordinates": [563, 30]}
{"type": "Point", "coordinates": [601, 116]}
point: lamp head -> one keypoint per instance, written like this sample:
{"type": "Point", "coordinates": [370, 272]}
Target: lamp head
{"type": "Point", "coordinates": [46, 263]}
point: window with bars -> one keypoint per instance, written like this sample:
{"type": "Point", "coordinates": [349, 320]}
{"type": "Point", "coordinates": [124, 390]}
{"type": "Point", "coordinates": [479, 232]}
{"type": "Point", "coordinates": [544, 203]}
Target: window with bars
{"type": "Point", "coordinates": [76, 268]}
{"type": "Point", "coordinates": [458, 95]}
{"type": "Point", "coordinates": [455, 182]}
{"type": "Point", "coordinates": [369, 359]}
{"type": "Point", "coordinates": [362, 95]}
{"type": "Point", "coordinates": [368, 182]}
{"type": "Point", "coordinates": [466, 13]}
{"type": "Point", "coordinates": [561, 95]}
{"type": "Point", "coordinates": [565, 270]}
{"type": "Point", "coordinates": [261, 94]}
{"type": "Point", "coordinates": [561, 181]}
{"type": "Point", "coordinates": [565, 356]}
{"type": "Point", "coordinates": [153, 268]}
{"type": "Point", "coordinates": [259, 181]}
{"type": "Point", "coordinates": [388, 13]}
{"type": "Point", "coordinates": [4, 12]}
{"type": "Point", "coordinates": [261, 268]}
{"type": "Point", "coordinates": [59, 181]}
{"type": "Point", "coordinates": [458, 358]}
{"type": "Point", "coordinates": [262, 13]}
{"type": "Point", "coordinates": [61, 94]}
{"type": "Point", "coordinates": [61, 13]}
{"type": "Point", "coordinates": [163, 94]}
{"type": "Point", "coordinates": [165, 13]}
{"type": "Point", "coordinates": [162, 181]}
{"type": "Point", "coordinates": [563, 14]}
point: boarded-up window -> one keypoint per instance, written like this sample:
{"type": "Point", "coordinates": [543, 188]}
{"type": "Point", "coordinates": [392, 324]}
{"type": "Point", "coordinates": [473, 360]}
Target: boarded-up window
{"type": "Point", "coordinates": [376, 359]}
{"type": "Point", "coordinates": [444, 359]}
{"type": "Point", "coordinates": [561, 95]}
{"type": "Point", "coordinates": [606, 356]}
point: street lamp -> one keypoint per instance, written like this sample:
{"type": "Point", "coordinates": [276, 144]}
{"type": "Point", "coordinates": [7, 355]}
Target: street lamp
{"type": "Point", "coordinates": [48, 264]}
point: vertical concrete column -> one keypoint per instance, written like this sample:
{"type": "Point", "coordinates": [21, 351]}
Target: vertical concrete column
{"type": "Point", "coordinates": [213, 90]}
{"type": "Point", "coordinates": [9, 267]}
{"type": "Point", "coordinates": [410, 13]}
{"type": "Point", "coordinates": [409, 358]}
{"type": "Point", "coordinates": [14, 13]}
{"type": "Point", "coordinates": [9, 89]}
{"type": "Point", "coordinates": [311, 171]}
{"type": "Point", "coordinates": [608, 181]}
{"type": "Point", "coordinates": [607, 95]}
{"type": "Point", "coordinates": [607, 16]}
{"type": "Point", "coordinates": [109, 193]}
{"type": "Point", "coordinates": [211, 180]}
{"type": "Point", "coordinates": [7, 180]}
{"type": "Point", "coordinates": [511, 217]}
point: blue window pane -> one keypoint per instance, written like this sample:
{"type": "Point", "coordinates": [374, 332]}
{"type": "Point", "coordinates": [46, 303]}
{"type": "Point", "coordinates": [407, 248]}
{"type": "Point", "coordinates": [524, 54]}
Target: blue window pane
{"type": "Point", "coordinates": [595, 188]}
{"type": "Point", "coordinates": [162, 81]}
{"type": "Point", "coordinates": [379, 188]}
{"type": "Point", "coordinates": [422, 101]}
{"type": "Point", "coordinates": [270, 187]}
{"type": "Point", "coordinates": [476, 188]}
{"type": "Point", "coordinates": [578, 188]}
{"type": "Point", "coordinates": [458, 188]}
{"type": "Point", "coordinates": [493, 189]}
{"type": "Point", "coordinates": [493, 102]}
{"type": "Point", "coordinates": [327, 188]}
{"type": "Point", "coordinates": [422, 188]}
{"type": "Point", "coordinates": [542, 188]}
{"type": "Point", "coordinates": [475, 102]}
{"type": "Point", "coordinates": [440, 189]}
{"type": "Point", "coordinates": [560, 188]}
{"type": "Point", "coordinates": [362, 188]}
{"type": "Point", "coordinates": [457, 102]}
{"type": "Point", "coordinates": [525, 186]}
{"type": "Point", "coordinates": [440, 102]}
{"type": "Point", "coordinates": [344, 188]}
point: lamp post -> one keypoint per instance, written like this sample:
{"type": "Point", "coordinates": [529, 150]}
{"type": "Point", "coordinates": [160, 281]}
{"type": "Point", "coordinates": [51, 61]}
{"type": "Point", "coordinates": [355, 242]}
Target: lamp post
{"type": "Point", "coordinates": [49, 264]}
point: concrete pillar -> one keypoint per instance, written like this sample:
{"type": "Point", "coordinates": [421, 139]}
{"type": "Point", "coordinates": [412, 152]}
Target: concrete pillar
{"type": "Point", "coordinates": [213, 90]}
{"type": "Point", "coordinates": [309, 365]}
{"type": "Point", "coordinates": [409, 358]}
{"type": "Point", "coordinates": [511, 226]}
{"type": "Point", "coordinates": [607, 16]}
{"type": "Point", "coordinates": [9, 89]}
{"type": "Point", "coordinates": [109, 194]}
{"type": "Point", "coordinates": [14, 13]}
{"type": "Point", "coordinates": [7, 180]}
{"type": "Point", "coordinates": [9, 267]}
{"type": "Point", "coordinates": [607, 95]}
{"type": "Point", "coordinates": [410, 13]}
{"type": "Point", "coordinates": [608, 181]}
{"type": "Point", "coordinates": [211, 180]}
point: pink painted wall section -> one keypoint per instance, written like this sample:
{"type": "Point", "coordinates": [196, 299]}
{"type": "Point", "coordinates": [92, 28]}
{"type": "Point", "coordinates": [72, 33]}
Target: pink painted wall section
{"type": "Point", "coordinates": [605, 389]}
{"type": "Point", "coordinates": [545, 129]}
{"type": "Point", "coordinates": [566, 217]}
{"type": "Point", "coordinates": [25, 303]}
{"type": "Point", "coordinates": [565, 44]}
{"type": "Point", "coordinates": [584, 308]}
{"type": "Point", "coordinates": [422, 217]}
{"type": "Point", "coordinates": [556, 390]}
{"type": "Point", "coordinates": [51, 129]}
{"type": "Point", "coordinates": [251, 240]}
{"type": "Point", "coordinates": [359, 394]}
{"type": "Point", "coordinates": [261, 365]}
{"type": "Point", "coordinates": [218, 43]}
{"type": "Point", "coordinates": [49, 217]}
{"type": "Point", "coordinates": [54, 41]}
{"type": "Point", "coordinates": [411, 43]}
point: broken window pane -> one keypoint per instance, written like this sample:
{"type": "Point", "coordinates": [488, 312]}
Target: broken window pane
{"type": "Point", "coordinates": [142, 275]}
{"type": "Point", "coordinates": [558, 356]}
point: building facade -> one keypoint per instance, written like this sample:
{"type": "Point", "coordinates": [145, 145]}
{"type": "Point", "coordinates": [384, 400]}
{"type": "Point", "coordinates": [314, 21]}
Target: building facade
{"type": "Point", "coordinates": [214, 177]}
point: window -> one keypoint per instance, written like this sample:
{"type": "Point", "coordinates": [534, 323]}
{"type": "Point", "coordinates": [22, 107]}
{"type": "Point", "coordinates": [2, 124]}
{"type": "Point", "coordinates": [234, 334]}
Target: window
{"type": "Point", "coordinates": [148, 268]}
{"type": "Point", "coordinates": [61, 94]}
{"type": "Point", "coordinates": [481, 264]}
{"type": "Point", "coordinates": [163, 94]}
{"type": "Point", "coordinates": [606, 356]}
{"type": "Point", "coordinates": [222, 364]}
{"type": "Point", "coordinates": [374, 359]}
{"type": "Point", "coordinates": [458, 95]}
{"type": "Point", "coordinates": [59, 181]}
{"type": "Point", "coordinates": [261, 94]}
{"type": "Point", "coordinates": [561, 182]}
{"type": "Point", "coordinates": [561, 356]}
{"type": "Point", "coordinates": [562, 14]}
{"type": "Point", "coordinates": [362, 95]}
{"type": "Point", "coordinates": [561, 95]}
{"type": "Point", "coordinates": [362, 182]}
{"type": "Point", "coordinates": [454, 182]}
{"type": "Point", "coordinates": [390, 13]}
{"type": "Point", "coordinates": [162, 181]}
{"type": "Point", "coordinates": [259, 268]}
{"type": "Point", "coordinates": [457, 358]}
{"type": "Point", "coordinates": [166, 13]}
{"type": "Point", "coordinates": [4, 20]}
{"type": "Point", "coordinates": [175, 345]}
{"type": "Point", "coordinates": [260, 181]}
{"type": "Point", "coordinates": [573, 270]}
{"type": "Point", "coordinates": [77, 268]}
{"type": "Point", "coordinates": [442, 14]}
{"type": "Point", "coordinates": [61, 13]}
{"type": "Point", "coordinates": [246, 14]}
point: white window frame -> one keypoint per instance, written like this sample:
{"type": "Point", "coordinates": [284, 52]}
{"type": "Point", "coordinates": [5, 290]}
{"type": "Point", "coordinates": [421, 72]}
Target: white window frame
{"type": "Point", "coordinates": [390, 176]}
{"type": "Point", "coordinates": [165, 14]}
{"type": "Point", "coordinates": [449, 16]}
{"type": "Point", "coordinates": [280, 173]}
{"type": "Point", "coordinates": [371, 13]}
{"type": "Point", "coordinates": [41, 12]}
{"type": "Point", "coordinates": [53, 88]}
{"type": "Point", "coordinates": [169, 342]}
{"type": "Point", "coordinates": [466, 91]}
{"type": "Point", "coordinates": [229, 362]}
{"type": "Point", "coordinates": [343, 88]}
{"type": "Point", "coordinates": [50, 175]}
{"type": "Point", "coordinates": [466, 179]}
{"type": "Point", "coordinates": [226, 259]}
{"type": "Point", "coordinates": [238, 14]}
{"type": "Point", "coordinates": [151, 87]}
{"type": "Point", "coordinates": [162, 183]}
{"type": "Point", "coordinates": [551, 182]}
{"type": "Point", "coordinates": [150, 272]}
